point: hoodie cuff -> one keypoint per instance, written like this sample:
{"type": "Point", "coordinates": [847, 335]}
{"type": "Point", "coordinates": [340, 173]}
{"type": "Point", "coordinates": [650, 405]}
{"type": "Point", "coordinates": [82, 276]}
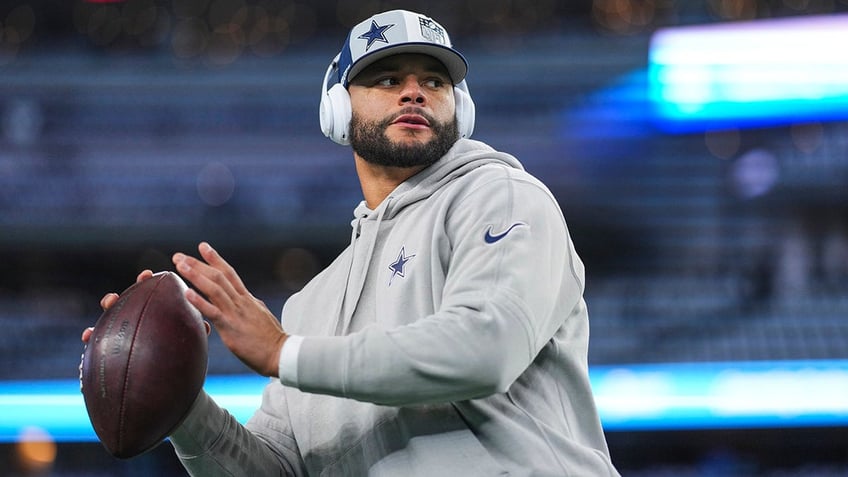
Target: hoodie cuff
{"type": "Point", "coordinates": [288, 360]}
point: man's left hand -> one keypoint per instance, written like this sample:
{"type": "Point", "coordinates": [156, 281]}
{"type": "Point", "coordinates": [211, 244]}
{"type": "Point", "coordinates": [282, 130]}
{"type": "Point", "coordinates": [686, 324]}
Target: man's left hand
{"type": "Point", "coordinates": [246, 325]}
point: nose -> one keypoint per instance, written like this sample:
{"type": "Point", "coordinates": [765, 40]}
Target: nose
{"type": "Point", "coordinates": [411, 91]}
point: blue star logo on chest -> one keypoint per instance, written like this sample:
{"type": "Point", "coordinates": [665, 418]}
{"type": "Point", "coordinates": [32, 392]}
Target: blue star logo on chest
{"type": "Point", "coordinates": [397, 267]}
{"type": "Point", "coordinates": [376, 33]}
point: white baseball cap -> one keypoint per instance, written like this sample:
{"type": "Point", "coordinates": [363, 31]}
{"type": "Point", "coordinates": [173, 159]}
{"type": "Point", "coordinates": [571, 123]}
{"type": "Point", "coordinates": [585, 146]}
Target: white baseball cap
{"type": "Point", "coordinates": [393, 32]}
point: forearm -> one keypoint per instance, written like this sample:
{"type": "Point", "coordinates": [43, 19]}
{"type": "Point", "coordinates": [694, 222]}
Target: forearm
{"type": "Point", "coordinates": [210, 442]}
{"type": "Point", "coordinates": [455, 355]}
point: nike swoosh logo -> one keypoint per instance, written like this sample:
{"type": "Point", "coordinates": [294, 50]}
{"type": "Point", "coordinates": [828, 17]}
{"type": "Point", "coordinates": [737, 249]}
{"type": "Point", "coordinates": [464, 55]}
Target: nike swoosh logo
{"type": "Point", "coordinates": [489, 238]}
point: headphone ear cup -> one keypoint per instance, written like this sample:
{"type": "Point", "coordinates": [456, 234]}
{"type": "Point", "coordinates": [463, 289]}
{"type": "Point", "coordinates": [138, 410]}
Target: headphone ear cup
{"type": "Point", "coordinates": [465, 110]}
{"type": "Point", "coordinates": [335, 114]}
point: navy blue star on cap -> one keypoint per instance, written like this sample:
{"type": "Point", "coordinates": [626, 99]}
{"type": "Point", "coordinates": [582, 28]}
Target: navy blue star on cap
{"type": "Point", "coordinates": [397, 266]}
{"type": "Point", "coordinates": [376, 33]}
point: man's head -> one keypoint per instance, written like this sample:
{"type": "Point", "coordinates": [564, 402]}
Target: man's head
{"type": "Point", "coordinates": [396, 38]}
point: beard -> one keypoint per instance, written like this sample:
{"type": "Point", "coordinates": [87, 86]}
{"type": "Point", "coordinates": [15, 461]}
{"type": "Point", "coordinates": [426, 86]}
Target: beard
{"type": "Point", "coordinates": [369, 140]}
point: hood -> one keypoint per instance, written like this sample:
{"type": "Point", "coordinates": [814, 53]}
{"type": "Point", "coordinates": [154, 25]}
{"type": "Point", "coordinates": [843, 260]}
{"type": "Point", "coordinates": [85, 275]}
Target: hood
{"type": "Point", "coordinates": [464, 156]}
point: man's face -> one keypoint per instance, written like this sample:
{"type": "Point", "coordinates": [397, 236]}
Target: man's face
{"type": "Point", "coordinates": [403, 111]}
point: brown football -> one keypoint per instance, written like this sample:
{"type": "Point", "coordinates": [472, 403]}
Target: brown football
{"type": "Point", "coordinates": [144, 365]}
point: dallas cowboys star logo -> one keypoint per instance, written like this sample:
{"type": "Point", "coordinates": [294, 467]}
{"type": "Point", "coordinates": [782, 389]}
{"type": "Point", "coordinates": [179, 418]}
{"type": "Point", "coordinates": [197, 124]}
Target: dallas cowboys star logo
{"type": "Point", "coordinates": [376, 33]}
{"type": "Point", "coordinates": [397, 266]}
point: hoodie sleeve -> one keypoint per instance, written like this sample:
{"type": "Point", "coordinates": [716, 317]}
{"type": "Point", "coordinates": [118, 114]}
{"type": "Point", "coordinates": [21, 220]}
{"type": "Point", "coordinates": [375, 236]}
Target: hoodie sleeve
{"type": "Point", "coordinates": [513, 280]}
{"type": "Point", "coordinates": [211, 442]}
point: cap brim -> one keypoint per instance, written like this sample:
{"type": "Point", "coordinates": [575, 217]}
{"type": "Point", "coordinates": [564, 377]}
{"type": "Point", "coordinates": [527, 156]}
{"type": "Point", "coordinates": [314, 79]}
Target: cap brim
{"type": "Point", "coordinates": [454, 62]}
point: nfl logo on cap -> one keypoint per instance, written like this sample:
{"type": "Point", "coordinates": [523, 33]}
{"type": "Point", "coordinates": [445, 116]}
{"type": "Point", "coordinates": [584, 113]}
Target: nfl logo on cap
{"type": "Point", "coordinates": [432, 30]}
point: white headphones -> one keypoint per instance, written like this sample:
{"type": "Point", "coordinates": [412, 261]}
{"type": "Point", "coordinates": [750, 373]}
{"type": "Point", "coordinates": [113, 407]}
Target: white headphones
{"type": "Point", "coordinates": [335, 110]}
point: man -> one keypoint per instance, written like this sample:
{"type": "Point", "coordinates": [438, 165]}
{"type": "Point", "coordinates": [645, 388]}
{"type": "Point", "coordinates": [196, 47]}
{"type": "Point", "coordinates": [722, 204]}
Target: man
{"type": "Point", "coordinates": [449, 338]}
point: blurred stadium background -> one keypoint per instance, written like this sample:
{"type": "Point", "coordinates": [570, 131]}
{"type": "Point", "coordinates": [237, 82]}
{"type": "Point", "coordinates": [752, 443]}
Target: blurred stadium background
{"type": "Point", "coordinates": [714, 245]}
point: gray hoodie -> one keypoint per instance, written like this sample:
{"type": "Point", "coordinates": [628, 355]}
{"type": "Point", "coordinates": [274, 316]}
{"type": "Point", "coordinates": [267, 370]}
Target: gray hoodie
{"type": "Point", "coordinates": [449, 338]}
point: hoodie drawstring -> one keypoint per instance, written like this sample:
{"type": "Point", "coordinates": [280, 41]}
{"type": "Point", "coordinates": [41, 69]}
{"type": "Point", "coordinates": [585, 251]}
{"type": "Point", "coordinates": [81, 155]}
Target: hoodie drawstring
{"type": "Point", "coordinates": [354, 291]}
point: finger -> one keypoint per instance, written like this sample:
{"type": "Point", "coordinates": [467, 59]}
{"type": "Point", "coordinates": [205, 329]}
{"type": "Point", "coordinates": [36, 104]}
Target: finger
{"type": "Point", "coordinates": [205, 307]}
{"type": "Point", "coordinates": [208, 327]}
{"type": "Point", "coordinates": [208, 280]}
{"type": "Point", "coordinates": [214, 259]}
{"type": "Point", "coordinates": [86, 334]}
{"type": "Point", "coordinates": [108, 300]}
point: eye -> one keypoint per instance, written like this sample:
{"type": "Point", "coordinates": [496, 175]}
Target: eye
{"type": "Point", "coordinates": [387, 81]}
{"type": "Point", "coordinates": [435, 83]}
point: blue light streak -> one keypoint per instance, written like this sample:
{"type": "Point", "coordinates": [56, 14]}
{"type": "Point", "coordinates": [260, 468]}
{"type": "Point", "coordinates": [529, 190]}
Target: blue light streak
{"type": "Point", "coordinates": [750, 74]}
{"type": "Point", "coordinates": [629, 397]}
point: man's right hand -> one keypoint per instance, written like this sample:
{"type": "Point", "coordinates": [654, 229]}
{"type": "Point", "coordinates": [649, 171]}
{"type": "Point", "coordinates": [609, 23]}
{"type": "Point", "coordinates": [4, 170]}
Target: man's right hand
{"type": "Point", "coordinates": [109, 299]}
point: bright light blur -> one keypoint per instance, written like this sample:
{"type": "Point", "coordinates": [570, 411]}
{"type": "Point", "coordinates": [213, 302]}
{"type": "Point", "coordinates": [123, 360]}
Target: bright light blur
{"type": "Point", "coordinates": [754, 73]}
{"type": "Point", "coordinates": [35, 450]}
{"type": "Point", "coordinates": [643, 397]}
{"type": "Point", "coordinates": [722, 395]}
